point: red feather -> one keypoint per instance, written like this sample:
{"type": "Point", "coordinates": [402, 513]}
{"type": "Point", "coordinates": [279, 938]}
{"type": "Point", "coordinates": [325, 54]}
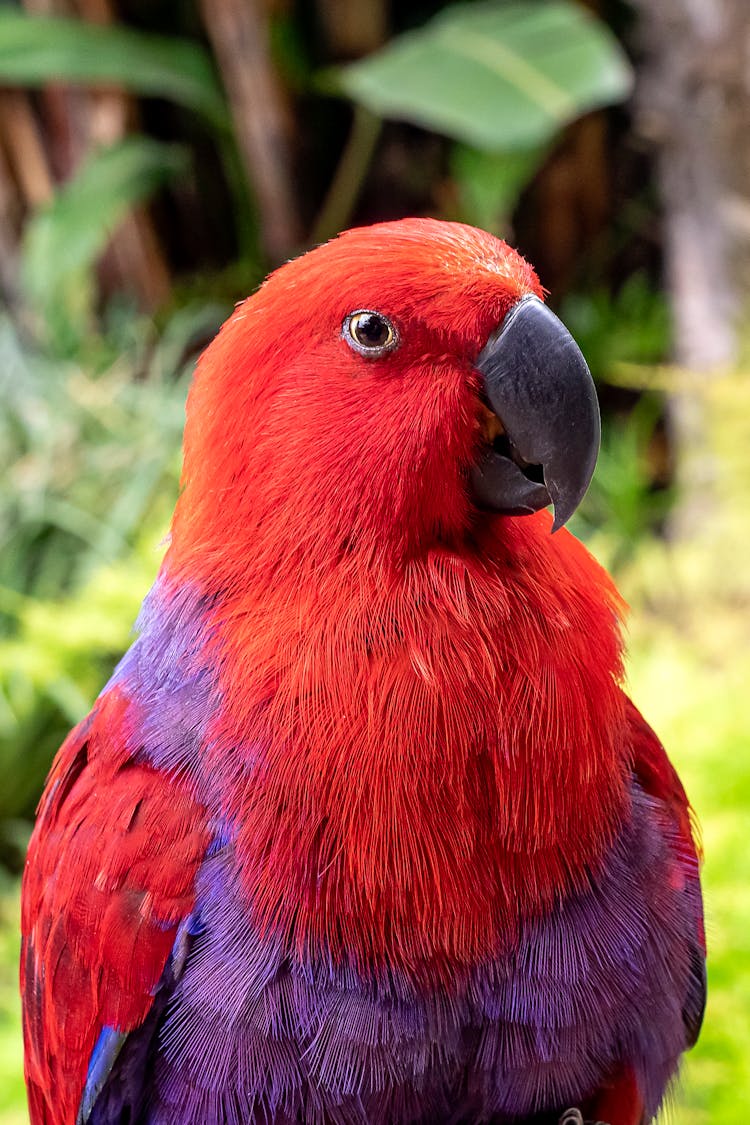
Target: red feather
{"type": "Point", "coordinates": [108, 878]}
{"type": "Point", "coordinates": [619, 1102]}
{"type": "Point", "coordinates": [405, 806]}
{"type": "Point", "coordinates": [658, 777]}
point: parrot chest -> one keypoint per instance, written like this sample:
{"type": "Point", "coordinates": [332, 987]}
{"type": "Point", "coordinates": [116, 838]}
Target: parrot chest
{"type": "Point", "coordinates": [253, 1027]}
{"type": "Point", "coordinates": [412, 793]}
{"type": "Point", "coordinates": [412, 766]}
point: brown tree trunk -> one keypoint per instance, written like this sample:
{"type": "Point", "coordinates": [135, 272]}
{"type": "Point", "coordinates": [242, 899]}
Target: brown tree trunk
{"type": "Point", "coordinates": [239, 33]}
{"type": "Point", "coordinates": [353, 28]}
{"type": "Point", "coordinates": [134, 256]}
{"type": "Point", "coordinates": [694, 106]}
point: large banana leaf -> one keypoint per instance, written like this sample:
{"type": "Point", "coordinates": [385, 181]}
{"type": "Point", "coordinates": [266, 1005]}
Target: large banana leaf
{"type": "Point", "coordinates": [39, 49]}
{"type": "Point", "coordinates": [497, 76]}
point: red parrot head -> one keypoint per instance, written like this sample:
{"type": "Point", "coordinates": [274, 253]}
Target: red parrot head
{"type": "Point", "coordinates": [383, 393]}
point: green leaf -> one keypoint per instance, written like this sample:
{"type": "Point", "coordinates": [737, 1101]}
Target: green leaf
{"type": "Point", "coordinates": [64, 238]}
{"type": "Point", "coordinates": [39, 49]}
{"type": "Point", "coordinates": [489, 183]}
{"type": "Point", "coordinates": [495, 75]}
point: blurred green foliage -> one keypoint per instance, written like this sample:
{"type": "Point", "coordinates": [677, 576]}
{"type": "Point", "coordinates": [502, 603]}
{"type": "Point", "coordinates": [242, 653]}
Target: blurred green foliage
{"type": "Point", "coordinates": [630, 325]}
{"type": "Point", "coordinates": [12, 1090]}
{"type": "Point", "coordinates": [64, 240]}
{"type": "Point", "coordinates": [697, 700]}
{"type": "Point", "coordinates": [626, 330]}
{"type": "Point", "coordinates": [90, 446]}
{"type": "Point", "coordinates": [623, 495]}
{"type": "Point", "coordinates": [36, 49]}
{"type": "Point", "coordinates": [89, 469]}
{"type": "Point", "coordinates": [500, 78]}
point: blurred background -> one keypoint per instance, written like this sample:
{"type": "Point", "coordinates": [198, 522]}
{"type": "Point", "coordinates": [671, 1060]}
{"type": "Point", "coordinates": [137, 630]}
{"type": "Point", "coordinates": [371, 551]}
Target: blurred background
{"type": "Point", "coordinates": [157, 157]}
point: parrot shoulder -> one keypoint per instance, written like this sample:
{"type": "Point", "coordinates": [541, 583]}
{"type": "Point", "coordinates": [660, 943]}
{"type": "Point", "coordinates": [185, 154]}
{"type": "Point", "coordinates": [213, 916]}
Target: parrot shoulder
{"type": "Point", "coordinates": [657, 775]}
{"type": "Point", "coordinates": [660, 780]}
{"type": "Point", "coordinates": [109, 879]}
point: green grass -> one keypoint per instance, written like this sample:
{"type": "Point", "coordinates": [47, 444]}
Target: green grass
{"type": "Point", "coordinates": [699, 705]}
{"type": "Point", "coordinates": [12, 1095]}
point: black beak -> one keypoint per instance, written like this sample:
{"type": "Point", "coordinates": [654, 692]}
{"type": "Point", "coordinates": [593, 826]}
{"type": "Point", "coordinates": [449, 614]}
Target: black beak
{"type": "Point", "coordinates": [538, 384]}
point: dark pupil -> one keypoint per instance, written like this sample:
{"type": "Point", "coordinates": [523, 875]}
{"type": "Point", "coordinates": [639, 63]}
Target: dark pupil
{"type": "Point", "coordinates": [371, 330]}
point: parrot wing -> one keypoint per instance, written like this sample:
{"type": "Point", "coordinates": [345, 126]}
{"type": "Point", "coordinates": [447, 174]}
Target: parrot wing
{"type": "Point", "coordinates": [659, 779]}
{"type": "Point", "coordinates": [620, 1101]}
{"type": "Point", "coordinates": [108, 883]}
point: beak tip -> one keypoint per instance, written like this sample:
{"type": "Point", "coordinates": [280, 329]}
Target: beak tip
{"type": "Point", "coordinates": [565, 502]}
{"type": "Point", "coordinates": [562, 513]}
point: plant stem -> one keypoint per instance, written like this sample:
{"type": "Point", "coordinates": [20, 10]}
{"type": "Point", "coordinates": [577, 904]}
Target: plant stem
{"type": "Point", "coordinates": [349, 177]}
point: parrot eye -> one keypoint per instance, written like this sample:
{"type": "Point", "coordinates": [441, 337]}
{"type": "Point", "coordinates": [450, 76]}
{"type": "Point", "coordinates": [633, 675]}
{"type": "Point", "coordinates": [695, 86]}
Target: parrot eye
{"type": "Point", "coordinates": [369, 333]}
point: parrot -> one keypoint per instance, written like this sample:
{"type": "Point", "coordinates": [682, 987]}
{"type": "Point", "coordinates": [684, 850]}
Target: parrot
{"type": "Point", "coordinates": [364, 829]}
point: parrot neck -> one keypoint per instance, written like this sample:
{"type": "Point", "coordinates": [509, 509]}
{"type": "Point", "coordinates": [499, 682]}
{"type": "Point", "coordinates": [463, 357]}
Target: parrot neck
{"type": "Point", "coordinates": [418, 761]}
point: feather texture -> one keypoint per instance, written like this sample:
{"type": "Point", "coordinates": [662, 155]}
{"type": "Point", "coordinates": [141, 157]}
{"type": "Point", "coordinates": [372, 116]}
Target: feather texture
{"type": "Point", "coordinates": [109, 876]}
